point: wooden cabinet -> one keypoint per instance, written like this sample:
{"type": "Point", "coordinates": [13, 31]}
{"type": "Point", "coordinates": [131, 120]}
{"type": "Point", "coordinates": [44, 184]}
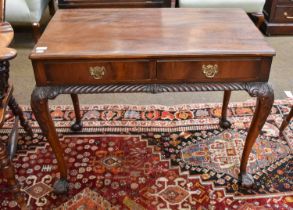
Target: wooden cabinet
{"type": "Point", "coordinates": [278, 17]}
{"type": "Point", "coordinates": [63, 4]}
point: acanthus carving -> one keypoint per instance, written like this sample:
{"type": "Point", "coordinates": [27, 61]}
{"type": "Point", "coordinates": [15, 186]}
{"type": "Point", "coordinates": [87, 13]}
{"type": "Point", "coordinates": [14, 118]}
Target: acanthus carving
{"type": "Point", "coordinates": [265, 96]}
{"type": "Point", "coordinates": [258, 89]}
{"type": "Point", "coordinates": [39, 98]}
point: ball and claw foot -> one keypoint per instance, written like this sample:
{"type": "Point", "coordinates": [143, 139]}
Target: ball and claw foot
{"type": "Point", "coordinates": [225, 124]}
{"type": "Point", "coordinates": [61, 186]}
{"type": "Point", "coordinates": [76, 126]}
{"type": "Point", "coordinates": [246, 180]}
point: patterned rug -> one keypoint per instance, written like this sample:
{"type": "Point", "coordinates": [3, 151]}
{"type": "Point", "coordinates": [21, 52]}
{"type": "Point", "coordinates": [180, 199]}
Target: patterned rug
{"type": "Point", "coordinates": [156, 157]}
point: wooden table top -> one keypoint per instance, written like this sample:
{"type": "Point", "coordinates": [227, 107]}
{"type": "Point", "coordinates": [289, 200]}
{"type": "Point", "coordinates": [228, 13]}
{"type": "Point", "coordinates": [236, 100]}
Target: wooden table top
{"type": "Point", "coordinates": [150, 33]}
{"type": "Point", "coordinates": [6, 36]}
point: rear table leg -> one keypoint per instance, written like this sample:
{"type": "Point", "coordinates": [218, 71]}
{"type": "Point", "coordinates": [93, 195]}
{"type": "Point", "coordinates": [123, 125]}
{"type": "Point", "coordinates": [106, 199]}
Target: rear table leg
{"type": "Point", "coordinates": [224, 123]}
{"type": "Point", "coordinates": [77, 125]}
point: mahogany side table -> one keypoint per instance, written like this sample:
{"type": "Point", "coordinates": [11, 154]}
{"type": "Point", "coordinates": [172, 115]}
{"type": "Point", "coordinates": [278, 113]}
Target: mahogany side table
{"type": "Point", "coordinates": [86, 51]}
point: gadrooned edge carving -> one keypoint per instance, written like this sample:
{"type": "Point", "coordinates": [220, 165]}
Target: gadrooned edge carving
{"type": "Point", "coordinates": [50, 92]}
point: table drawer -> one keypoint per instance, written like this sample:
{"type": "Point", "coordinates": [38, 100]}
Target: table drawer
{"type": "Point", "coordinates": [71, 73]}
{"type": "Point", "coordinates": [209, 70]}
{"type": "Point", "coordinates": [110, 3]}
{"type": "Point", "coordinates": [288, 2]}
{"type": "Point", "coordinates": [284, 14]}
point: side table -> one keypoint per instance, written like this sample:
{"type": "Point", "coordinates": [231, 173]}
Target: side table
{"type": "Point", "coordinates": [151, 50]}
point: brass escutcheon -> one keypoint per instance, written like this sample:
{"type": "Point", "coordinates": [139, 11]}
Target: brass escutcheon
{"type": "Point", "coordinates": [210, 70]}
{"type": "Point", "coordinates": [97, 72]}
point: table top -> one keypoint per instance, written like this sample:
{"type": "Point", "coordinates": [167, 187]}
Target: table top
{"type": "Point", "coordinates": [6, 36]}
{"type": "Point", "coordinates": [150, 33]}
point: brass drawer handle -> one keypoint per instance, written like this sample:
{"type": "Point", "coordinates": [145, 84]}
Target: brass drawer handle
{"type": "Point", "coordinates": [97, 72]}
{"type": "Point", "coordinates": [286, 16]}
{"type": "Point", "coordinates": [210, 70]}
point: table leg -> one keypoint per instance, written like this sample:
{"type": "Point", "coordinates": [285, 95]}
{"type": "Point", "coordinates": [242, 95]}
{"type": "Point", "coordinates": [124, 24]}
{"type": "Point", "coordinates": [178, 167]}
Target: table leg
{"type": "Point", "coordinates": [17, 111]}
{"type": "Point", "coordinates": [224, 123]}
{"type": "Point", "coordinates": [286, 121]}
{"type": "Point", "coordinates": [77, 125]}
{"type": "Point", "coordinates": [39, 104]}
{"type": "Point", "coordinates": [264, 103]}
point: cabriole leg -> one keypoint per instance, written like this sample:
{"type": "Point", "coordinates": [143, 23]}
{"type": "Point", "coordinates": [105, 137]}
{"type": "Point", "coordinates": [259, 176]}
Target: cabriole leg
{"type": "Point", "coordinates": [39, 104]}
{"type": "Point", "coordinates": [264, 103]}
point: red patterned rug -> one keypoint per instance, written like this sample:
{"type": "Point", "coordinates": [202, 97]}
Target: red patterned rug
{"type": "Point", "coordinates": [156, 157]}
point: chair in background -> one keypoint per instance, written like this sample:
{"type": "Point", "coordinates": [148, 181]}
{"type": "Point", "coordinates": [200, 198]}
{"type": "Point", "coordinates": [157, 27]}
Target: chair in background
{"type": "Point", "coordinates": [7, 99]}
{"type": "Point", "coordinates": [23, 12]}
{"type": "Point", "coordinates": [252, 7]}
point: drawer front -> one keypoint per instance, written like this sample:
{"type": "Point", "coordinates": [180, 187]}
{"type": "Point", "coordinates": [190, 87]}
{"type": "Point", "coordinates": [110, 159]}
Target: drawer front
{"type": "Point", "coordinates": [109, 3]}
{"type": "Point", "coordinates": [210, 70]}
{"type": "Point", "coordinates": [74, 73]}
{"type": "Point", "coordinates": [284, 14]}
{"type": "Point", "coordinates": [287, 2]}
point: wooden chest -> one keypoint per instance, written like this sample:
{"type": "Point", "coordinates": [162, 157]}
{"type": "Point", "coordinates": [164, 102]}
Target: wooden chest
{"type": "Point", "coordinates": [278, 17]}
{"type": "Point", "coordinates": [112, 3]}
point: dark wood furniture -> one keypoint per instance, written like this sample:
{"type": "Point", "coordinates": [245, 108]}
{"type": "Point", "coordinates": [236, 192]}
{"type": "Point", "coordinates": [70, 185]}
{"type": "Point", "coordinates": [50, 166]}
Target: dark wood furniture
{"type": "Point", "coordinates": [7, 99]}
{"type": "Point", "coordinates": [154, 51]}
{"type": "Point", "coordinates": [286, 121]}
{"type": "Point", "coordinates": [278, 17]}
{"type": "Point", "coordinates": [65, 4]}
